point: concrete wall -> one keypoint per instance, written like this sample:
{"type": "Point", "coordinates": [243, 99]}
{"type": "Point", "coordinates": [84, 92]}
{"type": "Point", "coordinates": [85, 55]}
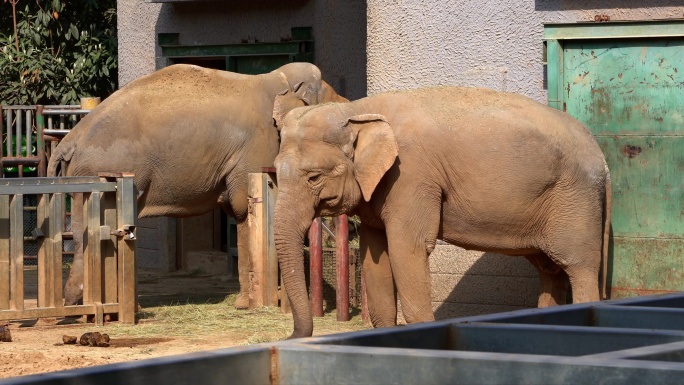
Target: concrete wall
{"type": "Point", "coordinates": [486, 43]}
{"type": "Point", "coordinates": [339, 29]}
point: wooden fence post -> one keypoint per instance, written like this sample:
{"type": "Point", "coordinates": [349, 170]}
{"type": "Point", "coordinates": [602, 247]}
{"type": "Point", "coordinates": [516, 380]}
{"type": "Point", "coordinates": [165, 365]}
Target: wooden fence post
{"type": "Point", "coordinates": [126, 219]}
{"type": "Point", "coordinates": [4, 251]}
{"type": "Point", "coordinates": [17, 252]}
{"type": "Point", "coordinates": [263, 271]}
{"type": "Point", "coordinates": [56, 227]}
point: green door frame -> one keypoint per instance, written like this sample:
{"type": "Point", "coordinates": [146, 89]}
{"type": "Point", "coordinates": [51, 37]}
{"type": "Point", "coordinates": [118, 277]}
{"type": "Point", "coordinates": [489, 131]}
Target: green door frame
{"type": "Point", "coordinates": [556, 34]}
{"type": "Point", "coordinates": [558, 37]}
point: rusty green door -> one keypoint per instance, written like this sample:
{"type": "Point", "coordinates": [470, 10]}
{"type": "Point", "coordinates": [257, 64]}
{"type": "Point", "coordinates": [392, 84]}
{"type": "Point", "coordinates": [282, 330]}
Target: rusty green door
{"type": "Point", "coordinates": [630, 93]}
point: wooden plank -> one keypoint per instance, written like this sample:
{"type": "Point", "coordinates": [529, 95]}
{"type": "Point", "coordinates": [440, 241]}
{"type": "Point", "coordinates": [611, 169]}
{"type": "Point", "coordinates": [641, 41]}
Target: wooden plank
{"type": "Point", "coordinates": [45, 261]}
{"type": "Point", "coordinates": [270, 191]}
{"type": "Point", "coordinates": [81, 200]}
{"type": "Point", "coordinates": [93, 250]}
{"type": "Point", "coordinates": [126, 216]}
{"type": "Point", "coordinates": [4, 252]}
{"type": "Point", "coordinates": [257, 277]}
{"type": "Point", "coordinates": [67, 311]}
{"type": "Point", "coordinates": [17, 252]}
{"type": "Point", "coordinates": [108, 249]}
{"type": "Point", "coordinates": [56, 227]}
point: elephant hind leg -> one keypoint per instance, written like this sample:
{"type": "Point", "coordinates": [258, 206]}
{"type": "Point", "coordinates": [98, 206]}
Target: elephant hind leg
{"type": "Point", "coordinates": [554, 283]}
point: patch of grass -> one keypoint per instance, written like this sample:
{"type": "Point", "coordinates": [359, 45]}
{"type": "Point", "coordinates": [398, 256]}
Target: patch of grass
{"type": "Point", "coordinates": [252, 326]}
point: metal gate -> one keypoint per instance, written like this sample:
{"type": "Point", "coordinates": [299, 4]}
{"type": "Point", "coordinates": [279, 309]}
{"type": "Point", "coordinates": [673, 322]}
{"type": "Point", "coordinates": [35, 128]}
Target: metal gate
{"type": "Point", "coordinates": [109, 211]}
{"type": "Point", "coordinates": [624, 81]}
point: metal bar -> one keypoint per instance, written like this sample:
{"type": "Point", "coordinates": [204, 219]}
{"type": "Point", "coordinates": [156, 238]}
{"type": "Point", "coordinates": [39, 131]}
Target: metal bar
{"type": "Point", "coordinates": [4, 252]}
{"type": "Point", "coordinates": [40, 141]}
{"type": "Point", "coordinates": [65, 112]}
{"type": "Point", "coordinates": [342, 268]}
{"type": "Point", "coordinates": [316, 267]}
{"type": "Point", "coordinates": [21, 107]}
{"type": "Point", "coordinates": [364, 300]}
{"type": "Point", "coordinates": [29, 131]}
{"type": "Point", "coordinates": [126, 216]}
{"type": "Point", "coordinates": [16, 252]}
{"type": "Point", "coordinates": [18, 134]}
{"type": "Point", "coordinates": [10, 129]}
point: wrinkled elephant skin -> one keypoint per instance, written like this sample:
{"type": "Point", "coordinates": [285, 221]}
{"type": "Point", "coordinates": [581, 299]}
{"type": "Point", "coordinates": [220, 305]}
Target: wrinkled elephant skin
{"type": "Point", "coordinates": [190, 135]}
{"type": "Point", "coordinates": [480, 169]}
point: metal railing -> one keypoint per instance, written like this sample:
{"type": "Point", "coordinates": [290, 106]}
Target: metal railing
{"type": "Point", "coordinates": [109, 215]}
{"type": "Point", "coordinates": [25, 130]}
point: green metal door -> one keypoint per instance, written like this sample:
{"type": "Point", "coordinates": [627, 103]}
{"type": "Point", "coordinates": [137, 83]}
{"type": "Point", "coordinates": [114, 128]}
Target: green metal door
{"type": "Point", "coordinates": [630, 93]}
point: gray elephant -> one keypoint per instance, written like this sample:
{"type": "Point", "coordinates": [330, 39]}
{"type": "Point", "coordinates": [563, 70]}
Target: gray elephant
{"type": "Point", "coordinates": [480, 169]}
{"type": "Point", "coordinates": [163, 125]}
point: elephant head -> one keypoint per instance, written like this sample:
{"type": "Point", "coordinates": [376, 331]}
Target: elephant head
{"type": "Point", "coordinates": [305, 88]}
{"type": "Point", "coordinates": [330, 160]}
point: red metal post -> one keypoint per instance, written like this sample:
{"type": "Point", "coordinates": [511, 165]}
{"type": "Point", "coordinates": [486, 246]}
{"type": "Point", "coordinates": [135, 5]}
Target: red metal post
{"type": "Point", "coordinates": [316, 267]}
{"type": "Point", "coordinates": [342, 268]}
{"type": "Point", "coordinates": [364, 300]}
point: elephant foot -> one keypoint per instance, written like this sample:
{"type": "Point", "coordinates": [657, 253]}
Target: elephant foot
{"type": "Point", "coordinates": [242, 301]}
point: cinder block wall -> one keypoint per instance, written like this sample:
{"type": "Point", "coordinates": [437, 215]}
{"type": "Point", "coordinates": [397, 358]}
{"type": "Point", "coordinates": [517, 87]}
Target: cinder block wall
{"type": "Point", "coordinates": [483, 43]}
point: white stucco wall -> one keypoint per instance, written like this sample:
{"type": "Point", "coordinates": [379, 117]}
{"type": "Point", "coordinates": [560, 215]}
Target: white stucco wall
{"type": "Point", "coordinates": [495, 44]}
{"type": "Point", "coordinates": [484, 43]}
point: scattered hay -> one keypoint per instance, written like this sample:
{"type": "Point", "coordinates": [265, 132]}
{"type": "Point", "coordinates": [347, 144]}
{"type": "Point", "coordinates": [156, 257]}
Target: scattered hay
{"type": "Point", "coordinates": [251, 326]}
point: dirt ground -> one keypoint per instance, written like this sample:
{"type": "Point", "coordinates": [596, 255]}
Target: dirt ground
{"type": "Point", "coordinates": [181, 312]}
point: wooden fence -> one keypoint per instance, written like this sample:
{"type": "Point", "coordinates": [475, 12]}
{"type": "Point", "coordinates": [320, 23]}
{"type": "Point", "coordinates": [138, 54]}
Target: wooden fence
{"type": "Point", "coordinates": [109, 217]}
{"type": "Point", "coordinates": [264, 282]}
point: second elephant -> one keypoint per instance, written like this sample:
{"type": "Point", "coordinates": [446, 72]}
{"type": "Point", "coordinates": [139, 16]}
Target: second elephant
{"type": "Point", "coordinates": [190, 135]}
{"type": "Point", "coordinates": [480, 169]}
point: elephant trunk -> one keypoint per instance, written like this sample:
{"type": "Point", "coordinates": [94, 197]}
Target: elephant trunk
{"type": "Point", "coordinates": [290, 228]}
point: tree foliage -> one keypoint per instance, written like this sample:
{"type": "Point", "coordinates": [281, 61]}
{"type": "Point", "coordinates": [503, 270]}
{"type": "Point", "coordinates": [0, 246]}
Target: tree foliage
{"type": "Point", "coordinates": [62, 50]}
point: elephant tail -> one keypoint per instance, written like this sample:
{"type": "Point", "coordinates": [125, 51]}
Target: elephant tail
{"type": "Point", "coordinates": [606, 235]}
{"type": "Point", "coordinates": [63, 153]}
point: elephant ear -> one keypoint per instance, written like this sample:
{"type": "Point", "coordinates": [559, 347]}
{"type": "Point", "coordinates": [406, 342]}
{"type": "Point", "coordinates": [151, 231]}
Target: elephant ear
{"type": "Point", "coordinates": [285, 102]}
{"type": "Point", "coordinates": [375, 150]}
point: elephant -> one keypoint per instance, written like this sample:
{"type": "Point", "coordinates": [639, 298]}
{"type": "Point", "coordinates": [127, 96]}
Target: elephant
{"type": "Point", "coordinates": [477, 168]}
{"type": "Point", "coordinates": [190, 135]}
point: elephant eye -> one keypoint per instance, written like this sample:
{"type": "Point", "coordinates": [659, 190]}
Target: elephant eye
{"type": "Point", "coordinates": [314, 178]}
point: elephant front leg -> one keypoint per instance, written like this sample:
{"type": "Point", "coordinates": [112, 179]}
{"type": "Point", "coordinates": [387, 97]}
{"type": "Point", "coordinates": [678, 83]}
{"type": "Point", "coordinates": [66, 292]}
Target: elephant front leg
{"type": "Point", "coordinates": [377, 274]}
{"type": "Point", "coordinates": [242, 300]}
{"type": "Point", "coordinates": [409, 248]}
